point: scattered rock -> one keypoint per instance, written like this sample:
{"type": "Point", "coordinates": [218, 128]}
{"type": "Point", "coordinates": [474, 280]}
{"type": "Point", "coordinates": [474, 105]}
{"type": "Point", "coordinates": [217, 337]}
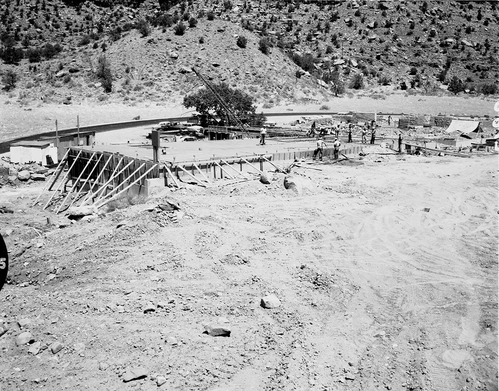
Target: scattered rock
{"type": "Point", "coordinates": [35, 348]}
{"type": "Point", "coordinates": [38, 177]}
{"type": "Point", "coordinates": [103, 366]}
{"type": "Point", "coordinates": [134, 374]}
{"type": "Point", "coordinates": [4, 209]}
{"type": "Point", "coordinates": [76, 213]}
{"type": "Point", "coordinates": [174, 55]}
{"type": "Point", "coordinates": [264, 178]}
{"type": "Point", "coordinates": [23, 323]}
{"type": "Point", "coordinates": [270, 301]}
{"type": "Point", "coordinates": [149, 307]}
{"type": "Point", "coordinates": [23, 175]}
{"type": "Point", "coordinates": [24, 338]}
{"type": "Point", "coordinates": [217, 331]}
{"type": "Point", "coordinates": [291, 183]}
{"type": "Point", "coordinates": [56, 347]}
{"type": "Point", "coordinates": [3, 330]}
{"type": "Point", "coordinates": [61, 73]}
{"type": "Point", "coordinates": [160, 380]}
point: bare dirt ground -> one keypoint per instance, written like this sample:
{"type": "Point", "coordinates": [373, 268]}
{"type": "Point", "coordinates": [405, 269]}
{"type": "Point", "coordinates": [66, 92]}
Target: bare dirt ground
{"type": "Point", "coordinates": [386, 271]}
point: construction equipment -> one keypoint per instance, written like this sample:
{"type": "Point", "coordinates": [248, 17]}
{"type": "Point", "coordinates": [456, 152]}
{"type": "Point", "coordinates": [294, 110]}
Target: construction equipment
{"type": "Point", "coordinates": [226, 107]}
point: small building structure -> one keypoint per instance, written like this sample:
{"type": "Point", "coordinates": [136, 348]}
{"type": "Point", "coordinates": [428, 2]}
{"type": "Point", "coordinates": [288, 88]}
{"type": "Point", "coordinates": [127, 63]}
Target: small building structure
{"type": "Point", "coordinates": [73, 139]}
{"type": "Point", "coordinates": [41, 152]}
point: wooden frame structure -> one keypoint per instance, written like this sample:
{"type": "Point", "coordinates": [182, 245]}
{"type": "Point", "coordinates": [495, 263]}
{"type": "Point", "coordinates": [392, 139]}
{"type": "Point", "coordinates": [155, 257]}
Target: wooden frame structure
{"type": "Point", "coordinates": [96, 178]}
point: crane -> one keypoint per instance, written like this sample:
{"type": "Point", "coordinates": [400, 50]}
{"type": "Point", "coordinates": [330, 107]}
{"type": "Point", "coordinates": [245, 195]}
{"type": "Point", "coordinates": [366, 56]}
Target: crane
{"type": "Point", "coordinates": [220, 100]}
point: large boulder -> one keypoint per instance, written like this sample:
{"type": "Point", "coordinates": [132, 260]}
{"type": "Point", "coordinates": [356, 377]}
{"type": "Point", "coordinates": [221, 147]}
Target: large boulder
{"type": "Point", "coordinates": [23, 175]}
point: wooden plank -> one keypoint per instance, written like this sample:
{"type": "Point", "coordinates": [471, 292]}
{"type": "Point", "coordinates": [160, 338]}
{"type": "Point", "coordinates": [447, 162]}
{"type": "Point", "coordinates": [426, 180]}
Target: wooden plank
{"type": "Point", "coordinates": [222, 170]}
{"type": "Point", "coordinates": [75, 183]}
{"type": "Point", "coordinates": [56, 174]}
{"type": "Point", "coordinates": [65, 176]}
{"type": "Point", "coordinates": [86, 180]}
{"type": "Point", "coordinates": [98, 205]}
{"type": "Point", "coordinates": [112, 179]}
{"type": "Point", "coordinates": [247, 162]}
{"type": "Point", "coordinates": [192, 176]}
{"type": "Point", "coordinates": [171, 174]}
{"type": "Point", "coordinates": [201, 172]}
{"type": "Point", "coordinates": [101, 172]}
{"type": "Point", "coordinates": [239, 173]}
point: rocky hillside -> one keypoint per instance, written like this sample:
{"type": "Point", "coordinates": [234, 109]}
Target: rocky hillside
{"type": "Point", "coordinates": [276, 51]}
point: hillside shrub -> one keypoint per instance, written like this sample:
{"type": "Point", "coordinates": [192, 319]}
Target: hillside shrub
{"type": "Point", "coordinates": [456, 85]}
{"type": "Point", "coordinates": [489, 89]}
{"type": "Point", "coordinates": [143, 27]}
{"type": "Point", "coordinates": [241, 41]}
{"type": "Point", "coordinates": [34, 55]}
{"type": "Point", "coordinates": [179, 28]}
{"type": "Point", "coordinates": [357, 82]}
{"type": "Point", "coordinates": [305, 62]}
{"type": "Point", "coordinates": [264, 46]}
{"type": "Point", "coordinates": [210, 15]}
{"type": "Point", "coordinates": [9, 80]}
{"type": "Point", "coordinates": [104, 73]}
{"type": "Point", "coordinates": [193, 22]}
{"type": "Point", "coordinates": [85, 40]}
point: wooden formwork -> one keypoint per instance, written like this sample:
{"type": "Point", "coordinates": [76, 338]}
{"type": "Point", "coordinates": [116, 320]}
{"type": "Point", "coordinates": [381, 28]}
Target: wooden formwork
{"type": "Point", "coordinates": [203, 172]}
{"type": "Point", "coordinates": [95, 178]}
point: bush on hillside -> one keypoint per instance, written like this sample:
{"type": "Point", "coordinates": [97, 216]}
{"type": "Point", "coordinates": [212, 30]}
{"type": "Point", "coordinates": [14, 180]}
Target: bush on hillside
{"type": "Point", "coordinates": [179, 28]}
{"type": "Point", "coordinates": [456, 85]}
{"type": "Point", "coordinates": [104, 73]}
{"type": "Point", "coordinates": [193, 22]}
{"type": "Point", "coordinates": [9, 80]}
{"type": "Point", "coordinates": [143, 27]}
{"type": "Point", "coordinates": [210, 15]}
{"type": "Point", "coordinates": [241, 41]}
{"type": "Point", "coordinates": [357, 82]}
{"type": "Point", "coordinates": [264, 45]}
{"type": "Point", "coordinates": [489, 89]}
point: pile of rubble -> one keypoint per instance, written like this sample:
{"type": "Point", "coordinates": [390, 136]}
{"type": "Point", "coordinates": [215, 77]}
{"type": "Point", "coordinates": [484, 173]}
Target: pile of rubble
{"type": "Point", "coordinates": [12, 174]}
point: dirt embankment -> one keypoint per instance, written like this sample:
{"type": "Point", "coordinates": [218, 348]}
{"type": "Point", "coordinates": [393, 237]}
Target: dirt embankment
{"type": "Point", "coordinates": [386, 275]}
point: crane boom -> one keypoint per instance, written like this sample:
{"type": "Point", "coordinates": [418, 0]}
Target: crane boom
{"type": "Point", "coordinates": [220, 100]}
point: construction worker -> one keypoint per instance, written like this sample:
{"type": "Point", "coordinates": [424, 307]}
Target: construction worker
{"type": "Point", "coordinates": [263, 132]}
{"type": "Point", "coordinates": [373, 134]}
{"type": "Point", "coordinates": [320, 148]}
{"type": "Point", "coordinates": [336, 150]}
{"type": "Point", "coordinates": [349, 133]}
{"type": "Point", "coordinates": [400, 142]}
{"type": "Point", "coordinates": [364, 133]}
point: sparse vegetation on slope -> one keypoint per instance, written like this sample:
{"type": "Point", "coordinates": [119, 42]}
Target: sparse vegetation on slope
{"type": "Point", "coordinates": [417, 46]}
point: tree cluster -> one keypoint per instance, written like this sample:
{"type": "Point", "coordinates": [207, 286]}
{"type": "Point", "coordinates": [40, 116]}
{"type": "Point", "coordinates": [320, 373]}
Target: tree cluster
{"type": "Point", "coordinates": [207, 105]}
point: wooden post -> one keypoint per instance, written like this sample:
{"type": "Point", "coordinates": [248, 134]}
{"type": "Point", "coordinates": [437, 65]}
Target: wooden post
{"type": "Point", "coordinates": [239, 173]}
{"type": "Point", "coordinates": [55, 175]}
{"type": "Point", "coordinates": [222, 171]}
{"type": "Point", "coordinates": [86, 180]}
{"type": "Point", "coordinates": [96, 180]}
{"type": "Point", "coordinates": [201, 172]}
{"type": "Point", "coordinates": [56, 135]}
{"type": "Point", "coordinates": [74, 184]}
{"type": "Point", "coordinates": [97, 205]}
{"type": "Point", "coordinates": [171, 174]}
{"type": "Point", "coordinates": [65, 176]}
{"type": "Point", "coordinates": [188, 173]}
{"type": "Point", "coordinates": [111, 179]}
{"type": "Point", "coordinates": [78, 128]}
{"type": "Point", "coordinates": [121, 183]}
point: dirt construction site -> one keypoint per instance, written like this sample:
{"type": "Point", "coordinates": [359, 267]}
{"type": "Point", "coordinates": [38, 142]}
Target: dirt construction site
{"type": "Point", "coordinates": [377, 273]}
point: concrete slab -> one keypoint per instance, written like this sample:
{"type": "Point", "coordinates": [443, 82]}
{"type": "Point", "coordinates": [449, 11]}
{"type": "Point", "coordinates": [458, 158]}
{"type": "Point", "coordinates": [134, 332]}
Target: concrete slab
{"type": "Point", "coordinates": [203, 150]}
